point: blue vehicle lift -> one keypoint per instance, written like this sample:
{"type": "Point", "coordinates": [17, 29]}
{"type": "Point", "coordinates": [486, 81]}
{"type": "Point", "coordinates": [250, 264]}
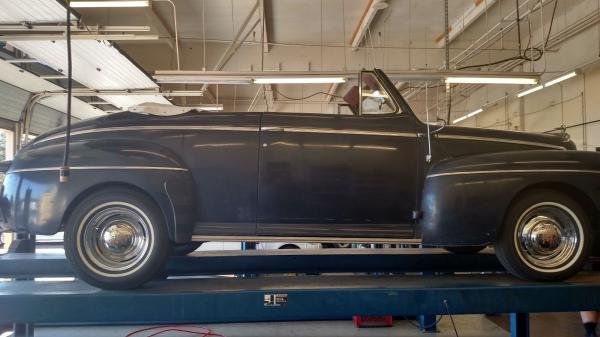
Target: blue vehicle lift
{"type": "Point", "coordinates": [409, 282]}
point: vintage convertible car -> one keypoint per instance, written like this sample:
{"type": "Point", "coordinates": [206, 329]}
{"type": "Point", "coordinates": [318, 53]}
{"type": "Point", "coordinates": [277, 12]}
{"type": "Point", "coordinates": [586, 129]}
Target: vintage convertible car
{"type": "Point", "coordinates": [141, 183]}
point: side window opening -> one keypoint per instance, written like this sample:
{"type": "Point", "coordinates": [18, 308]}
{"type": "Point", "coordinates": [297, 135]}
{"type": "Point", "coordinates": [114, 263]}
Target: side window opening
{"type": "Point", "coordinates": [374, 99]}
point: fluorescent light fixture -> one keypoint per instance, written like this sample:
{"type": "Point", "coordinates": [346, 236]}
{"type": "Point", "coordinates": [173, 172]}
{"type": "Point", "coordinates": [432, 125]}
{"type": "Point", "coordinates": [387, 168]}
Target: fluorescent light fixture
{"type": "Point", "coordinates": [210, 107]}
{"type": "Point", "coordinates": [110, 4]}
{"type": "Point", "coordinates": [560, 79]}
{"type": "Point", "coordinates": [200, 79]}
{"type": "Point", "coordinates": [459, 119]}
{"type": "Point", "coordinates": [490, 80]}
{"type": "Point", "coordinates": [474, 112]}
{"type": "Point", "coordinates": [299, 80]}
{"type": "Point", "coordinates": [470, 114]}
{"type": "Point", "coordinates": [530, 90]}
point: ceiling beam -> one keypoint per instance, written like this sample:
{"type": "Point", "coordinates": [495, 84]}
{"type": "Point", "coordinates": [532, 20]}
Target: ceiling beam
{"type": "Point", "coordinates": [255, 98]}
{"type": "Point", "coordinates": [373, 6]}
{"type": "Point", "coordinates": [236, 42]}
{"type": "Point", "coordinates": [266, 12]}
{"type": "Point", "coordinates": [269, 96]}
{"type": "Point", "coordinates": [331, 92]}
{"type": "Point", "coordinates": [475, 10]}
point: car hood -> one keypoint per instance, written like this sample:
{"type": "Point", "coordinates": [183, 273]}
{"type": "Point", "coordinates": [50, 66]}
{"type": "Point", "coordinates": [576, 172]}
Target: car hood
{"type": "Point", "coordinates": [557, 140]}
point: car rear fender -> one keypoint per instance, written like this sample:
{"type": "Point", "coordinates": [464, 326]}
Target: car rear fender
{"type": "Point", "coordinates": [39, 204]}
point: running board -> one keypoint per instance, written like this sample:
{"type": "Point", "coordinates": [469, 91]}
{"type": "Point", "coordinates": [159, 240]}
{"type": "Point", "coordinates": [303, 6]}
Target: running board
{"type": "Point", "coordinates": [309, 239]}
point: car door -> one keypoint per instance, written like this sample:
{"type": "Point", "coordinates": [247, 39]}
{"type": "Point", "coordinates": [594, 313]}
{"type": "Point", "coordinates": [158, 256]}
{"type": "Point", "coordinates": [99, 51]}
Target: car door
{"type": "Point", "coordinates": [221, 150]}
{"type": "Point", "coordinates": [338, 175]}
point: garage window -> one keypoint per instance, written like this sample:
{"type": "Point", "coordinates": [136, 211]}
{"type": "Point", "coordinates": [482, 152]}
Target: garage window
{"type": "Point", "coordinates": [7, 148]}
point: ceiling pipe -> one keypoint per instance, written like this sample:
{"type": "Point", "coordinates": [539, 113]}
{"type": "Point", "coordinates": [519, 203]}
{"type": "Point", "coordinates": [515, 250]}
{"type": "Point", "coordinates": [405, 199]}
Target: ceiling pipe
{"type": "Point", "coordinates": [176, 30]}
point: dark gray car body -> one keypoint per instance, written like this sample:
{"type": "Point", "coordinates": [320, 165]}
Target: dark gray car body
{"type": "Point", "coordinates": [312, 176]}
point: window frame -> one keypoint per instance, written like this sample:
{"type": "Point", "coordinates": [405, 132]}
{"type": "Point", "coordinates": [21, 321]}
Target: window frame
{"type": "Point", "coordinates": [397, 110]}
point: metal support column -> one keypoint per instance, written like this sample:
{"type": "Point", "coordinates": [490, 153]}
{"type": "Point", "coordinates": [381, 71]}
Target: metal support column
{"type": "Point", "coordinates": [22, 243]}
{"type": "Point", "coordinates": [248, 246]}
{"type": "Point", "coordinates": [23, 330]}
{"type": "Point", "coordinates": [519, 325]}
{"type": "Point", "coordinates": [427, 323]}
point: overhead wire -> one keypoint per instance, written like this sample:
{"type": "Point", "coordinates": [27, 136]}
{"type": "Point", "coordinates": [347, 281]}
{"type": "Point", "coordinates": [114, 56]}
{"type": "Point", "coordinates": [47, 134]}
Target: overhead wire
{"type": "Point", "coordinates": [533, 55]}
{"type": "Point", "coordinates": [304, 97]}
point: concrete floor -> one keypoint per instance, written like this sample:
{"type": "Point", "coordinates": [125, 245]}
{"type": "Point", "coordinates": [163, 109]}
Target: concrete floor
{"type": "Point", "coordinates": [546, 325]}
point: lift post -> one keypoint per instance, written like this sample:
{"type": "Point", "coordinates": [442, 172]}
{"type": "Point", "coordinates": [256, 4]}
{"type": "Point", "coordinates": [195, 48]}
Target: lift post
{"type": "Point", "coordinates": [23, 243]}
{"type": "Point", "coordinates": [519, 325]}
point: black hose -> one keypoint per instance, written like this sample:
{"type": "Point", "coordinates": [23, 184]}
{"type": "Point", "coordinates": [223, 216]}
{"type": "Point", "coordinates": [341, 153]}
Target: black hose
{"type": "Point", "coordinates": [64, 170]}
{"type": "Point", "coordinates": [518, 26]}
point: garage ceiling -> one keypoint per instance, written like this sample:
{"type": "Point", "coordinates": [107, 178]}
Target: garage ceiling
{"type": "Point", "coordinates": [307, 35]}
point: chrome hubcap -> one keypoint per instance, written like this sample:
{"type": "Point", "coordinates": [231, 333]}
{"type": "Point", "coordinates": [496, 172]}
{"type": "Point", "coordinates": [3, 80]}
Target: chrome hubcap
{"type": "Point", "coordinates": [548, 236]}
{"type": "Point", "coordinates": [116, 237]}
{"type": "Point", "coordinates": [542, 235]}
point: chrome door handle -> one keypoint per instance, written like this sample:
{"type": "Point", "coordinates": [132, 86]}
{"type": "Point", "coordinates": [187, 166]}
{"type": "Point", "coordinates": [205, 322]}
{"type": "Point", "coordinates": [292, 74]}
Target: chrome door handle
{"type": "Point", "coordinates": [272, 128]}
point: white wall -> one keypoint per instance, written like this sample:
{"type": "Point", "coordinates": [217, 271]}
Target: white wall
{"type": "Point", "coordinates": [572, 102]}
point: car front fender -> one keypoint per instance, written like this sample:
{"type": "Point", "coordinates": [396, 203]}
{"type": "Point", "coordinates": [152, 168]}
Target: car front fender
{"type": "Point", "coordinates": [466, 199]}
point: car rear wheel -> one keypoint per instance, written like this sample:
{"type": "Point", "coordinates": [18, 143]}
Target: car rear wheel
{"type": "Point", "coordinates": [546, 237]}
{"type": "Point", "coordinates": [116, 238]}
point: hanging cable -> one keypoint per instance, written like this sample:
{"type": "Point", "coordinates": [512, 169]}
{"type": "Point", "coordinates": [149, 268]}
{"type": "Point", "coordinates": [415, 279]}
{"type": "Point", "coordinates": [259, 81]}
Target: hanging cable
{"type": "Point", "coordinates": [305, 97]}
{"type": "Point", "coordinates": [64, 169]}
{"type": "Point", "coordinates": [534, 53]}
{"type": "Point", "coordinates": [451, 318]}
{"type": "Point", "coordinates": [518, 25]}
{"type": "Point", "coordinates": [204, 40]}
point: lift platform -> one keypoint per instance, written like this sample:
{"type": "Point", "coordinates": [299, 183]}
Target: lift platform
{"type": "Point", "coordinates": [24, 265]}
{"type": "Point", "coordinates": [224, 299]}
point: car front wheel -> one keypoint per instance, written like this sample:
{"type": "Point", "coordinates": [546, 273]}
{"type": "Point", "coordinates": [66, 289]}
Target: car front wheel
{"type": "Point", "coordinates": [546, 237]}
{"type": "Point", "coordinates": [116, 238]}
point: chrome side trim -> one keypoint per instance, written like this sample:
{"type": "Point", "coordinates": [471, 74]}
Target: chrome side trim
{"type": "Point", "coordinates": [346, 132]}
{"type": "Point", "coordinates": [161, 168]}
{"type": "Point", "coordinates": [502, 140]}
{"type": "Point", "coordinates": [312, 239]}
{"type": "Point", "coordinates": [511, 171]}
{"type": "Point", "coordinates": [155, 128]}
